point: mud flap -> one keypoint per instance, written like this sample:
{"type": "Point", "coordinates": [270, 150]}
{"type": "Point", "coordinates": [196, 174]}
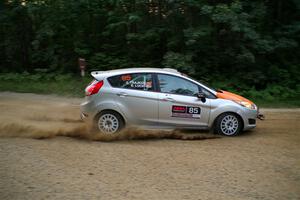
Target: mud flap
{"type": "Point", "coordinates": [261, 116]}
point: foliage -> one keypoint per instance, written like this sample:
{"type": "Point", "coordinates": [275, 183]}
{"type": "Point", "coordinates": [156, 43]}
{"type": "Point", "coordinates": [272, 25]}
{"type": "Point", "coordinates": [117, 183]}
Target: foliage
{"type": "Point", "coordinates": [178, 61]}
{"type": "Point", "coordinates": [235, 44]}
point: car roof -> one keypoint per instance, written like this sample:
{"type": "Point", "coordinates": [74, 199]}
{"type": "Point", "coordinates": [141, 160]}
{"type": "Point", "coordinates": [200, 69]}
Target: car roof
{"type": "Point", "coordinates": [97, 74]}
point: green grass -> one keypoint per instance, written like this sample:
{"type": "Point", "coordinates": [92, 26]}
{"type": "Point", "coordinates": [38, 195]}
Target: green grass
{"type": "Point", "coordinates": [279, 103]}
{"type": "Point", "coordinates": [73, 86]}
{"type": "Point", "coordinates": [64, 85]}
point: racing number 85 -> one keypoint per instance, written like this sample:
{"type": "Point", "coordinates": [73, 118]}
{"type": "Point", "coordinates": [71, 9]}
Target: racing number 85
{"type": "Point", "coordinates": [193, 110]}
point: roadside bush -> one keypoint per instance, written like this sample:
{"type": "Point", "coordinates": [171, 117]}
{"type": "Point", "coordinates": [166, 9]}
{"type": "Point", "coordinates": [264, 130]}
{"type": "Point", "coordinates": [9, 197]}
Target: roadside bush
{"type": "Point", "coordinates": [73, 85]}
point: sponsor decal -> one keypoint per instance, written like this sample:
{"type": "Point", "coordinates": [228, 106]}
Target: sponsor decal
{"type": "Point", "coordinates": [186, 111]}
{"type": "Point", "coordinates": [136, 84]}
{"type": "Point", "coordinates": [126, 78]}
{"type": "Point", "coordinates": [179, 109]}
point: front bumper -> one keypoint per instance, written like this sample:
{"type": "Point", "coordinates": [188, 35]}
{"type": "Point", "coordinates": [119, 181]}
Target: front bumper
{"type": "Point", "coordinates": [249, 118]}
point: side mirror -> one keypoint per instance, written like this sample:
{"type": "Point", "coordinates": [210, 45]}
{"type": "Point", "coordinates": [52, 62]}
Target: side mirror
{"type": "Point", "coordinates": [202, 96]}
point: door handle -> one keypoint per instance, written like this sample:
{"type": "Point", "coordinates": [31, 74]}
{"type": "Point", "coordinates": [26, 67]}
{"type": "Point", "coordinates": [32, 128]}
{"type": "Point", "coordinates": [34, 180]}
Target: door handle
{"type": "Point", "coordinates": [168, 99]}
{"type": "Point", "coordinates": [122, 94]}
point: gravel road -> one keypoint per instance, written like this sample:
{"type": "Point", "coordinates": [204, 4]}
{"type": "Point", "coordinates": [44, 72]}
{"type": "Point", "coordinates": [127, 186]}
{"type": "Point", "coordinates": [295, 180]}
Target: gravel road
{"type": "Point", "coordinates": [260, 164]}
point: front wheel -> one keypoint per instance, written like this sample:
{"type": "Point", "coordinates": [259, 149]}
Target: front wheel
{"type": "Point", "coordinates": [109, 122]}
{"type": "Point", "coordinates": [228, 124]}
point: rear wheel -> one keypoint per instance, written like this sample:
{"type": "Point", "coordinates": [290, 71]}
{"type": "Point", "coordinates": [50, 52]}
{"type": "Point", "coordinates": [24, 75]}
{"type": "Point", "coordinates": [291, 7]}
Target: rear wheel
{"type": "Point", "coordinates": [109, 122]}
{"type": "Point", "coordinates": [228, 124]}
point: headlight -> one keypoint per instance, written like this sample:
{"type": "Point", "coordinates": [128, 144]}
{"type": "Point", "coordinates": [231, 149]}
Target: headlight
{"type": "Point", "coordinates": [246, 104]}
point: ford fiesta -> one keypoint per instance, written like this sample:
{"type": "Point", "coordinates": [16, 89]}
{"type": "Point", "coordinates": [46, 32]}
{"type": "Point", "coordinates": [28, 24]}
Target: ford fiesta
{"type": "Point", "coordinates": [163, 98]}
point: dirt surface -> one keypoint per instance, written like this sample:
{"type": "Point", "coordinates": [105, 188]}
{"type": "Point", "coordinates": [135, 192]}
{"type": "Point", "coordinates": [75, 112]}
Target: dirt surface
{"type": "Point", "coordinates": [260, 164]}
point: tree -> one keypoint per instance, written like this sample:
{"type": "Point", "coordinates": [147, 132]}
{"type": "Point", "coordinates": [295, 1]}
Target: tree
{"type": "Point", "coordinates": [255, 43]}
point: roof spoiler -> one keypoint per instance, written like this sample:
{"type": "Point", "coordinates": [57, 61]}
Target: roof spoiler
{"type": "Point", "coordinates": [95, 73]}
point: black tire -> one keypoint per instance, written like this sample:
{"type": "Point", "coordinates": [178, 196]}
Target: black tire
{"type": "Point", "coordinates": [228, 124]}
{"type": "Point", "coordinates": [112, 116]}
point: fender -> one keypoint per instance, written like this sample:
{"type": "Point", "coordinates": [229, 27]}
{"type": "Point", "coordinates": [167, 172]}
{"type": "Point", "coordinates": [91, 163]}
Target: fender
{"type": "Point", "coordinates": [219, 106]}
{"type": "Point", "coordinates": [109, 105]}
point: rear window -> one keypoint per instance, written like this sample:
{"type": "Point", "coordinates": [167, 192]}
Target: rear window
{"type": "Point", "coordinates": [137, 81]}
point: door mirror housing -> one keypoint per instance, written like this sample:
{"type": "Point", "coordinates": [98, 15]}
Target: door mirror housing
{"type": "Point", "coordinates": [202, 96]}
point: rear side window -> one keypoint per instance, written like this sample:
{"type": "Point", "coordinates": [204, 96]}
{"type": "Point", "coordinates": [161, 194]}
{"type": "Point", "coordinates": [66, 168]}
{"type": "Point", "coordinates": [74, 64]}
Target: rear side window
{"type": "Point", "coordinates": [137, 81]}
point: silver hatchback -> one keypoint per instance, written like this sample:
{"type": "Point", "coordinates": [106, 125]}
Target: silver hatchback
{"type": "Point", "coordinates": [162, 98]}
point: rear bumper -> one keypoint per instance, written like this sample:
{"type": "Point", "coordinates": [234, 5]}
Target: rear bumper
{"type": "Point", "coordinates": [87, 109]}
{"type": "Point", "coordinates": [84, 116]}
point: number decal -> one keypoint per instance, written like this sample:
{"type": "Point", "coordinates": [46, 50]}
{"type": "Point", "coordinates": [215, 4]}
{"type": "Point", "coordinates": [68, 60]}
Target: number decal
{"type": "Point", "coordinates": [193, 110]}
{"type": "Point", "coordinates": [186, 111]}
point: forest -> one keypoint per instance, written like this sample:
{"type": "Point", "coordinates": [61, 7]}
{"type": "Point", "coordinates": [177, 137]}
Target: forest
{"type": "Point", "coordinates": [249, 46]}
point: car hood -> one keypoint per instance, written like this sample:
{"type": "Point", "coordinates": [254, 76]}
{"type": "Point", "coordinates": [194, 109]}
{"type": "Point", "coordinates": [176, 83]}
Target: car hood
{"type": "Point", "coordinates": [231, 96]}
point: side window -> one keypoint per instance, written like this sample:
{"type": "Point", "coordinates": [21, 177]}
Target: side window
{"type": "Point", "coordinates": [138, 81]}
{"type": "Point", "coordinates": [207, 93]}
{"type": "Point", "coordinates": [176, 85]}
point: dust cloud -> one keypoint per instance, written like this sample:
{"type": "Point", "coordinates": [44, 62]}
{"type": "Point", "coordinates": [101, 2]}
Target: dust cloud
{"type": "Point", "coordinates": [40, 117]}
{"type": "Point", "coordinates": [84, 132]}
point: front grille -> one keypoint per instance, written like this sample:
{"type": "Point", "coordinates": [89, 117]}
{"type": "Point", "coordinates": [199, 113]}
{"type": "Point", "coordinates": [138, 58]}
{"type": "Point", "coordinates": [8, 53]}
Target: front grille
{"type": "Point", "coordinates": [252, 121]}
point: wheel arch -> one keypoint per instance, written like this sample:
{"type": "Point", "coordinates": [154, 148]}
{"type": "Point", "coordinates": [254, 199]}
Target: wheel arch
{"type": "Point", "coordinates": [108, 110]}
{"type": "Point", "coordinates": [228, 112]}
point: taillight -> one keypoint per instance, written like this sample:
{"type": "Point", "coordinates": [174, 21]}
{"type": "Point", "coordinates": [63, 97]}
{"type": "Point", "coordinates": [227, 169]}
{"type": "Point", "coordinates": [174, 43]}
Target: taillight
{"type": "Point", "coordinates": [93, 88]}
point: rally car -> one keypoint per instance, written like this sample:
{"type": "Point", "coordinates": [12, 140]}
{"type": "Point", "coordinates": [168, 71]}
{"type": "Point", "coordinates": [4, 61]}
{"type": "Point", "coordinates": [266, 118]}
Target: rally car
{"type": "Point", "coordinates": [163, 98]}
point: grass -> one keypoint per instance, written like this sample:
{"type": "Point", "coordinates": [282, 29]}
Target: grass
{"type": "Point", "coordinates": [279, 103]}
{"type": "Point", "coordinates": [64, 85]}
{"type": "Point", "coordinates": [73, 86]}
{"type": "Point", "coordinates": [70, 88]}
